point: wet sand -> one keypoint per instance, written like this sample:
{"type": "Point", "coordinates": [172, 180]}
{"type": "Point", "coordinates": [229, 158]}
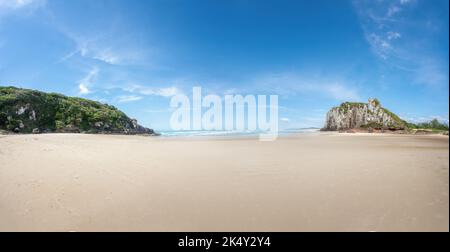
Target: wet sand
{"type": "Point", "coordinates": [310, 182]}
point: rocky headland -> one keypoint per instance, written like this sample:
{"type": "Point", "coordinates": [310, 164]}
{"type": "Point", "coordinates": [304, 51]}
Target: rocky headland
{"type": "Point", "coordinates": [373, 117]}
{"type": "Point", "coordinates": [31, 111]}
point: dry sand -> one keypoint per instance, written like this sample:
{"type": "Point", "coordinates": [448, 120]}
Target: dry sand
{"type": "Point", "coordinates": [314, 182]}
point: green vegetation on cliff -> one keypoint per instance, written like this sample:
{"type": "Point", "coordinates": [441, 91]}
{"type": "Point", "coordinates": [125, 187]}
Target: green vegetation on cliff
{"type": "Point", "coordinates": [346, 106]}
{"type": "Point", "coordinates": [395, 117]}
{"type": "Point", "coordinates": [25, 110]}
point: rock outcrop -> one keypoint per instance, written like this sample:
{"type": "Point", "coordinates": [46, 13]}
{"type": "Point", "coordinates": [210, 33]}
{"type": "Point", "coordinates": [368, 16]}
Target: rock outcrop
{"type": "Point", "coordinates": [31, 111]}
{"type": "Point", "coordinates": [352, 115]}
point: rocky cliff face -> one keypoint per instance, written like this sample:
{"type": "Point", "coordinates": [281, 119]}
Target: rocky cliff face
{"type": "Point", "coordinates": [31, 111]}
{"type": "Point", "coordinates": [351, 115]}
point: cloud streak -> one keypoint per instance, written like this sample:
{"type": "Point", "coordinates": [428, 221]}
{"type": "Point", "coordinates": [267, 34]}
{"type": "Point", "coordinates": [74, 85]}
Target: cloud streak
{"type": "Point", "coordinates": [108, 46]}
{"type": "Point", "coordinates": [288, 83]}
{"type": "Point", "coordinates": [19, 4]}
{"type": "Point", "coordinates": [19, 7]}
{"type": "Point", "coordinates": [128, 98]}
{"type": "Point", "coordinates": [85, 83]}
{"type": "Point", "coordinates": [96, 49]}
{"type": "Point", "coordinates": [154, 91]}
{"type": "Point", "coordinates": [401, 41]}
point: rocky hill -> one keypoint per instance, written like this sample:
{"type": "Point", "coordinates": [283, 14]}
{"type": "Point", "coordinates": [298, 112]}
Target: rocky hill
{"type": "Point", "coordinates": [31, 111]}
{"type": "Point", "coordinates": [371, 115]}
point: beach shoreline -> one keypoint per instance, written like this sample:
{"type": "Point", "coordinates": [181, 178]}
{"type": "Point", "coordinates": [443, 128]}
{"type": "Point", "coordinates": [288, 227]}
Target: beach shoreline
{"type": "Point", "coordinates": [321, 181]}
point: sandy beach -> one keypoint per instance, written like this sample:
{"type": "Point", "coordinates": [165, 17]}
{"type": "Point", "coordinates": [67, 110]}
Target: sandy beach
{"type": "Point", "coordinates": [309, 182]}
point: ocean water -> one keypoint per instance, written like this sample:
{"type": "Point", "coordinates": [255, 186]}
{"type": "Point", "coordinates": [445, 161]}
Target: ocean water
{"type": "Point", "coordinates": [231, 133]}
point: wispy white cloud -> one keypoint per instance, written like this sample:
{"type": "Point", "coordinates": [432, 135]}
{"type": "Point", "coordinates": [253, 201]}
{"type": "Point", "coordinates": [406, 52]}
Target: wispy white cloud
{"type": "Point", "coordinates": [380, 46]}
{"type": "Point", "coordinates": [106, 55]}
{"type": "Point", "coordinates": [380, 22]}
{"type": "Point", "coordinates": [91, 48]}
{"type": "Point", "coordinates": [18, 4]}
{"type": "Point", "coordinates": [387, 27]}
{"type": "Point", "coordinates": [288, 83]}
{"type": "Point", "coordinates": [405, 1]}
{"type": "Point", "coordinates": [128, 98]}
{"type": "Point", "coordinates": [85, 83]}
{"type": "Point", "coordinates": [106, 47]}
{"type": "Point", "coordinates": [393, 35]}
{"type": "Point", "coordinates": [340, 92]}
{"type": "Point", "coordinates": [20, 7]}
{"type": "Point", "coordinates": [156, 91]}
{"type": "Point", "coordinates": [430, 71]}
{"type": "Point", "coordinates": [392, 10]}
{"type": "Point", "coordinates": [167, 110]}
{"type": "Point", "coordinates": [83, 89]}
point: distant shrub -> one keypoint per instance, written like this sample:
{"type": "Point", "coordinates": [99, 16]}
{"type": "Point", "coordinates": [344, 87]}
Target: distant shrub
{"type": "Point", "coordinates": [433, 124]}
{"type": "Point", "coordinates": [376, 102]}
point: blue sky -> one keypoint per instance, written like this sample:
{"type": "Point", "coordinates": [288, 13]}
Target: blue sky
{"type": "Point", "coordinates": [313, 54]}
